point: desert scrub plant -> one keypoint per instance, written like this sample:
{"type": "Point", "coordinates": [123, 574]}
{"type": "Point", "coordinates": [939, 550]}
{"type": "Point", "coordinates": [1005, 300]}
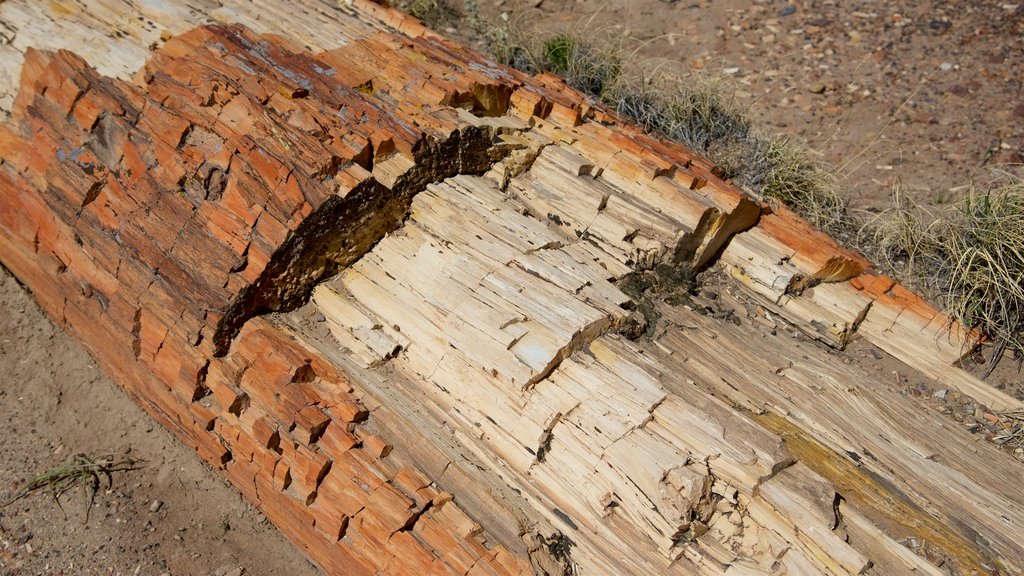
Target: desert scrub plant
{"type": "Point", "coordinates": [585, 65]}
{"type": "Point", "coordinates": [982, 255]}
{"type": "Point", "coordinates": [783, 170]}
{"type": "Point", "coordinates": [696, 110]}
{"type": "Point", "coordinates": [433, 13]}
{"type": "Point", "coordinates": [903, 238]}
{"type": "Point", "coordinates": [971, 255]}
{"type": "Point", "coordinates": [508, 44]}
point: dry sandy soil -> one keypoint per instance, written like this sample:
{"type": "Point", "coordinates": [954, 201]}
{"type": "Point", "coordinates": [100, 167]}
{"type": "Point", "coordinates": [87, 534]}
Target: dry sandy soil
{"type": "Point", "coordinates": [928, 93]}
{"type": "Point", "coordinates": [56, 403]}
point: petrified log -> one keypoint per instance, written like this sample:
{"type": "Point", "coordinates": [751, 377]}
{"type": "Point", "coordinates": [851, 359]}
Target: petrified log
{"type": "Point", "coordinates": [378, 281]}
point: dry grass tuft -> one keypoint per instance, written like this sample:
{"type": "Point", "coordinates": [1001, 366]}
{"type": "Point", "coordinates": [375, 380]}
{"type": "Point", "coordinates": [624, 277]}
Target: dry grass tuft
{"type": "Point", "coordinates": [85, 471]}
{"type": "Point", "coordinates": [785, 171]}
{"type": "Point", "coordinates": [900, 236]}
{"type": "Point", "coordinates": [696, 110]}
{"type": "Point", "coordinates": [433, 13]}
{"type": "Point", "coordinates": [509, 45]}
{"type": "Point", "coordinates": [972, 255]}
{"type": "Point", "coordinates": [588, 66]}
{"type": "Point", "coordinates": [982, 257]}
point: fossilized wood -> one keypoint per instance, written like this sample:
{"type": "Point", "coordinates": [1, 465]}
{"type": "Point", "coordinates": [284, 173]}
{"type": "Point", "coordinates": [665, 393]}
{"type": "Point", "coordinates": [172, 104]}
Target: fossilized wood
{"type": "Point", "coordinates": [831, 294]}
{"type": "Point", "coordinates": [154, 219]}
{"type": "Point", "coordinates": [629, 448]}
{"type": "Point", "coordinates": [373, 278]}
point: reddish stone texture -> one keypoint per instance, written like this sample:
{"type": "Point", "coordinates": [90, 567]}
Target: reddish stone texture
{"type": "Point", "coordinates": [155, 219]}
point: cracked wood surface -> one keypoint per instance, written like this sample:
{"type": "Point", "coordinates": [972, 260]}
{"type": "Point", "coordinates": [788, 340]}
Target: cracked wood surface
{"type": "Point", "coordinates": [462, 229]}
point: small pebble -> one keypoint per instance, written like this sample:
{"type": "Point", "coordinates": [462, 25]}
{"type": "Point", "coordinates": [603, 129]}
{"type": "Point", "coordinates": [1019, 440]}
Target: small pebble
{"type": "Point", "coordinates": [155, 506]}
{"type": "Point", "coordinates": [787, 11]}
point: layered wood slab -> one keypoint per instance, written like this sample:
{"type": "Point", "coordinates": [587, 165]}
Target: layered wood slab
{"type": "Point", "coordinates": [375, 279]}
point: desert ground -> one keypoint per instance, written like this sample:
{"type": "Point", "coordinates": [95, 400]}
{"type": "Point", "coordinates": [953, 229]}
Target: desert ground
{"type": "Point", "coordinates": [926, 94]}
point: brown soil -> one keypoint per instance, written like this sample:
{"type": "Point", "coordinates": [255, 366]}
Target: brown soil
{"type": "Point", "coordinates": [56, 403]}
{"type": "Point", "coordinates": [927, 93]}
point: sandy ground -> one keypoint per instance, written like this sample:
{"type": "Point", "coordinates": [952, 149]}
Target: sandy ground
{"type": "Point", "coordinates": [56, 403]}
{"type": "Point", "coordinates": [926, 93]}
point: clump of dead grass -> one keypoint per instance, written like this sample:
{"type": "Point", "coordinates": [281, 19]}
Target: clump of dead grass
{"type": "Point", "coordinates": [783, 170]}
{"type": "Point", "coordinates": [84, 471]}
{"type": "Point", "coordinates": [971, 254]}
{"type": "Point", "coordinates": [509, 44]}
{"type": "Point", "coordinates": [900, 234]}
{"type": "Point", "coordinates": [982, 249]}
{"type": "Point", "coordinates": [433, 13]}
{"type": "Point", "coordinates": [696, 110]}
{"type": "Point", "coordinates": [587, 66]}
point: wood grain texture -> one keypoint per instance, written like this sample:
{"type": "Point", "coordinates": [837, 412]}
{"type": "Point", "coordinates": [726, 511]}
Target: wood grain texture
{"type": "Point", "coordinates": [377, 280]}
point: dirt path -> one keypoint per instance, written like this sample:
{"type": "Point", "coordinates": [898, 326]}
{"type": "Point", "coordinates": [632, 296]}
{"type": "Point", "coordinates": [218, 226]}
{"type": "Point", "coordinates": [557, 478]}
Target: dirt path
{"type": "Point", "coordinates": [57, 403]}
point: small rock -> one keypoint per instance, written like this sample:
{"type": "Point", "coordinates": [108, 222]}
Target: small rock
{"type": "Point", "coordinates": [228, 570]}
{"type": "Point", "coordinates": [787, 11]}
{"type": "Point", "coordinates": [940, 393]}
{"type": "Point", "coordinates": [155, 506]}
{"type": "Point", "coordinates": [818, 88]}
{"type": "Point", "coordinates": [319, 317]}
